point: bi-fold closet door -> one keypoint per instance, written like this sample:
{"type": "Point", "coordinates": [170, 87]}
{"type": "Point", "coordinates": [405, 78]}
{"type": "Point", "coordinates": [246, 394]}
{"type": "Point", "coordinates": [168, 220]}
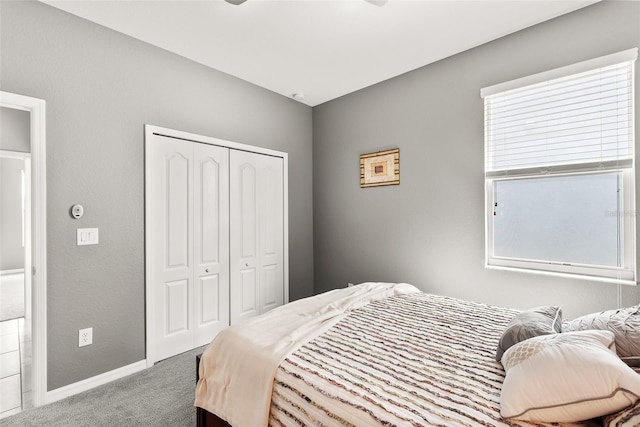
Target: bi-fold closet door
{"type": "Point", "coordinates": [215, 237]}
{"type": "Point", "coordinates": [188, 247]}
{"type": "Point", "coordinates": [257, 228]}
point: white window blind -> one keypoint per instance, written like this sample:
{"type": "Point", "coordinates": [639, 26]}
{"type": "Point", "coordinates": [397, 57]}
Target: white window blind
{"type": "Point", "coordinates": [566, 123]}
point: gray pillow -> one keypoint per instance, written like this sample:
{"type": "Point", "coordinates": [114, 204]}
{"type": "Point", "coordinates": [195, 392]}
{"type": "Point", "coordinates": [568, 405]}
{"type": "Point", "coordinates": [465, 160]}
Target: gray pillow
{"type": "Point", "coordinates": [623, 322]}
{"type": "Point", "coordinates": [528, 324]}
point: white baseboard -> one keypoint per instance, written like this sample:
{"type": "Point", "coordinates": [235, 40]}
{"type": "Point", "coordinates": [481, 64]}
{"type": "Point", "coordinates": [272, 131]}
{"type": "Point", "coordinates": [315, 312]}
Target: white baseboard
{"type": "Point", "coordinates": [89, 383]}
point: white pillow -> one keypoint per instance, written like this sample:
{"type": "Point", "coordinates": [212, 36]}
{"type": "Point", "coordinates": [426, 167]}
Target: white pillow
{"type": "Point", "coordinates": [566, 377]}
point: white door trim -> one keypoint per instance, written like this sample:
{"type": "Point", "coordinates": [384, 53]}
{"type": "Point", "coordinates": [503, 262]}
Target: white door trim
{"type": "Point", "coordinates": [150, 130]}
{"type": "Point", "coordinates": [37, 109]}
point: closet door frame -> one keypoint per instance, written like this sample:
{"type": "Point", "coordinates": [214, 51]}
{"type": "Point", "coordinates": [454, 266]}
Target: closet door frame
{"type": "Point", "coordinates": [151, 130]}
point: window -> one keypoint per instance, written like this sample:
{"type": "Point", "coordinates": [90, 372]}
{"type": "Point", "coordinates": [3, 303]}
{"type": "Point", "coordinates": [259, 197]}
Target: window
{"type": "Point", "coordinates": [559, 171]}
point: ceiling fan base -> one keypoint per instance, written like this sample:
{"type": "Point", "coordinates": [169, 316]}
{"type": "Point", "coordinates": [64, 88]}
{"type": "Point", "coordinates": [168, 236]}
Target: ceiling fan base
{"type": "Point", "coordinates": [374, 2]}
{"type": "Point", "coordinates": [377, 2]}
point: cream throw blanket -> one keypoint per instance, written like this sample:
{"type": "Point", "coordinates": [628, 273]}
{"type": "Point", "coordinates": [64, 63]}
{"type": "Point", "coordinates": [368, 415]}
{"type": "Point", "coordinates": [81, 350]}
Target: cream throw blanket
{"type": "Point", "coordinates": [237, 369]}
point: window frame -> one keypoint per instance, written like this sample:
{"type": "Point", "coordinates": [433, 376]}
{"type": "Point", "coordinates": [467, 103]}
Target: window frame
{"type": "Point", "coordinates": [626, 273]}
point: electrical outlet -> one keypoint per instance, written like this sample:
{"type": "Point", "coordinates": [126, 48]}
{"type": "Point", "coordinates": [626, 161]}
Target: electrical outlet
{"type": "Point", "coordinates": [85, 337]}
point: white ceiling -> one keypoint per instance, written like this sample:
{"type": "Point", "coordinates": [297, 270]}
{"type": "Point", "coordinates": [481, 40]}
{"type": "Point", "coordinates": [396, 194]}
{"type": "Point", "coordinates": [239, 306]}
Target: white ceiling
{"type": "Point", "coordinates": [321, 48]}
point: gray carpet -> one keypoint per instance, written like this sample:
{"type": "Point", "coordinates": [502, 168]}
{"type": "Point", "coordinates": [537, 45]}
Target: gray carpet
{"type": "Point", "coordinates": [159, 396]}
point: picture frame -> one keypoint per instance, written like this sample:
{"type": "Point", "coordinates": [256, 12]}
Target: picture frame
{"type": "Point", "coordinates": [380, 168]}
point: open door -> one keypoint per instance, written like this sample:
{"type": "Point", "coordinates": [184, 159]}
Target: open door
{"type": "Point", "coordinates": [33, 234]}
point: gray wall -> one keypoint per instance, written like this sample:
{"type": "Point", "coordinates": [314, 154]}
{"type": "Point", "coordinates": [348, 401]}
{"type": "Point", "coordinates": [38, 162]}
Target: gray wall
{"type": "Point", "coordinates": [429, 231]}
{"type": "Point", "coordinates": [15, 130]}
{"type": "Point", "coordinates": [101, 87]}
{"type": "Point", "coordinates": [11, 249]}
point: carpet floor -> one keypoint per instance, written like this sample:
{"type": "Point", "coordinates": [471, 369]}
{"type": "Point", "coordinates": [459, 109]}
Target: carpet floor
{"type": "Point", "coordinates": [162, 395]}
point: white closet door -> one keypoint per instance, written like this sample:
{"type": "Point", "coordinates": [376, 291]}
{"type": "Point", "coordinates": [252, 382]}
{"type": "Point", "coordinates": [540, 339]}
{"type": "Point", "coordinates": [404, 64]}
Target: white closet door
{"type": "Point", "coordinates": [256, 224]}
{"type": "Point", "coordinates": [271, 236]}
{"type": "Point", "coordinates": [211, 241]}
{"type": "Point", "coordinates": [188, 245]}
{"type": "Point", "coordinates": [171, 245]}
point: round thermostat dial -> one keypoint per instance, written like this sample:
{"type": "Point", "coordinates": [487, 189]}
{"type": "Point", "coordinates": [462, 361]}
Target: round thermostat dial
{"type": "Point", "coordinates": [77, 211]}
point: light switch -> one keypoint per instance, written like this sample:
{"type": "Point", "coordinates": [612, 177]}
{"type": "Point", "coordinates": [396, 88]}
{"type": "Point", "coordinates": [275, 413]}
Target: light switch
{"type": "Point", "coordinates": [87, 236]}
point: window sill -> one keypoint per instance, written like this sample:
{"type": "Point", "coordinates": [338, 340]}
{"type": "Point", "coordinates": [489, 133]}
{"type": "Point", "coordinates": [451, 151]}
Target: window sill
{"type": "Point", "coordinates": [620, 281]}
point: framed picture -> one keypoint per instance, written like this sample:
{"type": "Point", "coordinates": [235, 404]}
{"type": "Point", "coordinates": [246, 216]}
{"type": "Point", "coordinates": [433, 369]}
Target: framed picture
{"type": "Point", "coordinates": [381, 168]}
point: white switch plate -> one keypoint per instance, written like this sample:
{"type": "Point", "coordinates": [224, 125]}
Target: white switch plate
{"type": "Point", "coordinates": [87, 236]}
{"type": "Point", "coordinates": [85, 337]}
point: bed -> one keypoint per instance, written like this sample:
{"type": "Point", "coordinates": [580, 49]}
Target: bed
{"type": "Point", "coordinates": [373, 354]}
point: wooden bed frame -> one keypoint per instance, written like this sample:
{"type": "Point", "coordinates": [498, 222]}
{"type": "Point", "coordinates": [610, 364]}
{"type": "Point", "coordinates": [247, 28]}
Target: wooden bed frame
{"type": "Point", "coordinates": [205, 418]}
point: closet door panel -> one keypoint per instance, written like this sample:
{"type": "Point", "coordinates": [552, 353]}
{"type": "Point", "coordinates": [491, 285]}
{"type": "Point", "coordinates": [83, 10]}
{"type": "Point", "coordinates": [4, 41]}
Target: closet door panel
{"type": "Point", "coordinates": [271, 233]}
{"type": "Point", "coordinates": [211, 241]}
{"type": "Point", "coordinates": [177, 309]}
{"type": "Point", "coordinates": [248, 291]}
{"type": "Point", "coordinates": [243, 223]}
{"type": "Point", "coordinates": [271, 287]}
{"type": "Point", "coordinates": [248, 197]}
{"type": "Point", "coordinates": [171, 250]}
{"type": "Point", "coordinates": [257, 281]}
{"type": "Point", "coordinates": [210, 304]}
{"type": "Point", "coordinates": [208, 216]}
{"type": "Point", "coordinates": [177, 210]}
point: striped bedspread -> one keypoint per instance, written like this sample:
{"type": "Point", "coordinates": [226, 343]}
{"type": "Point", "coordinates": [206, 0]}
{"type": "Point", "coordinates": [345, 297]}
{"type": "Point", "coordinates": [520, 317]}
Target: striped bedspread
{"type": "Point", "coordinates": [410, 360]}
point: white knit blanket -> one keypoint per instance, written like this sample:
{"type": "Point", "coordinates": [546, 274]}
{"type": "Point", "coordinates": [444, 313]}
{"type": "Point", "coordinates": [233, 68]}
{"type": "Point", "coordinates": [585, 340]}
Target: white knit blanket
{"type": "Point", "coordinates": [237, 369]}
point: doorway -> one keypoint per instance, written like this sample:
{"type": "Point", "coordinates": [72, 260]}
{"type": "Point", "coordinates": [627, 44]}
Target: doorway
{"type": "Point", "coordinates": [22, 253]}
{"type": "Point", "coordinates": [15, 263]}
